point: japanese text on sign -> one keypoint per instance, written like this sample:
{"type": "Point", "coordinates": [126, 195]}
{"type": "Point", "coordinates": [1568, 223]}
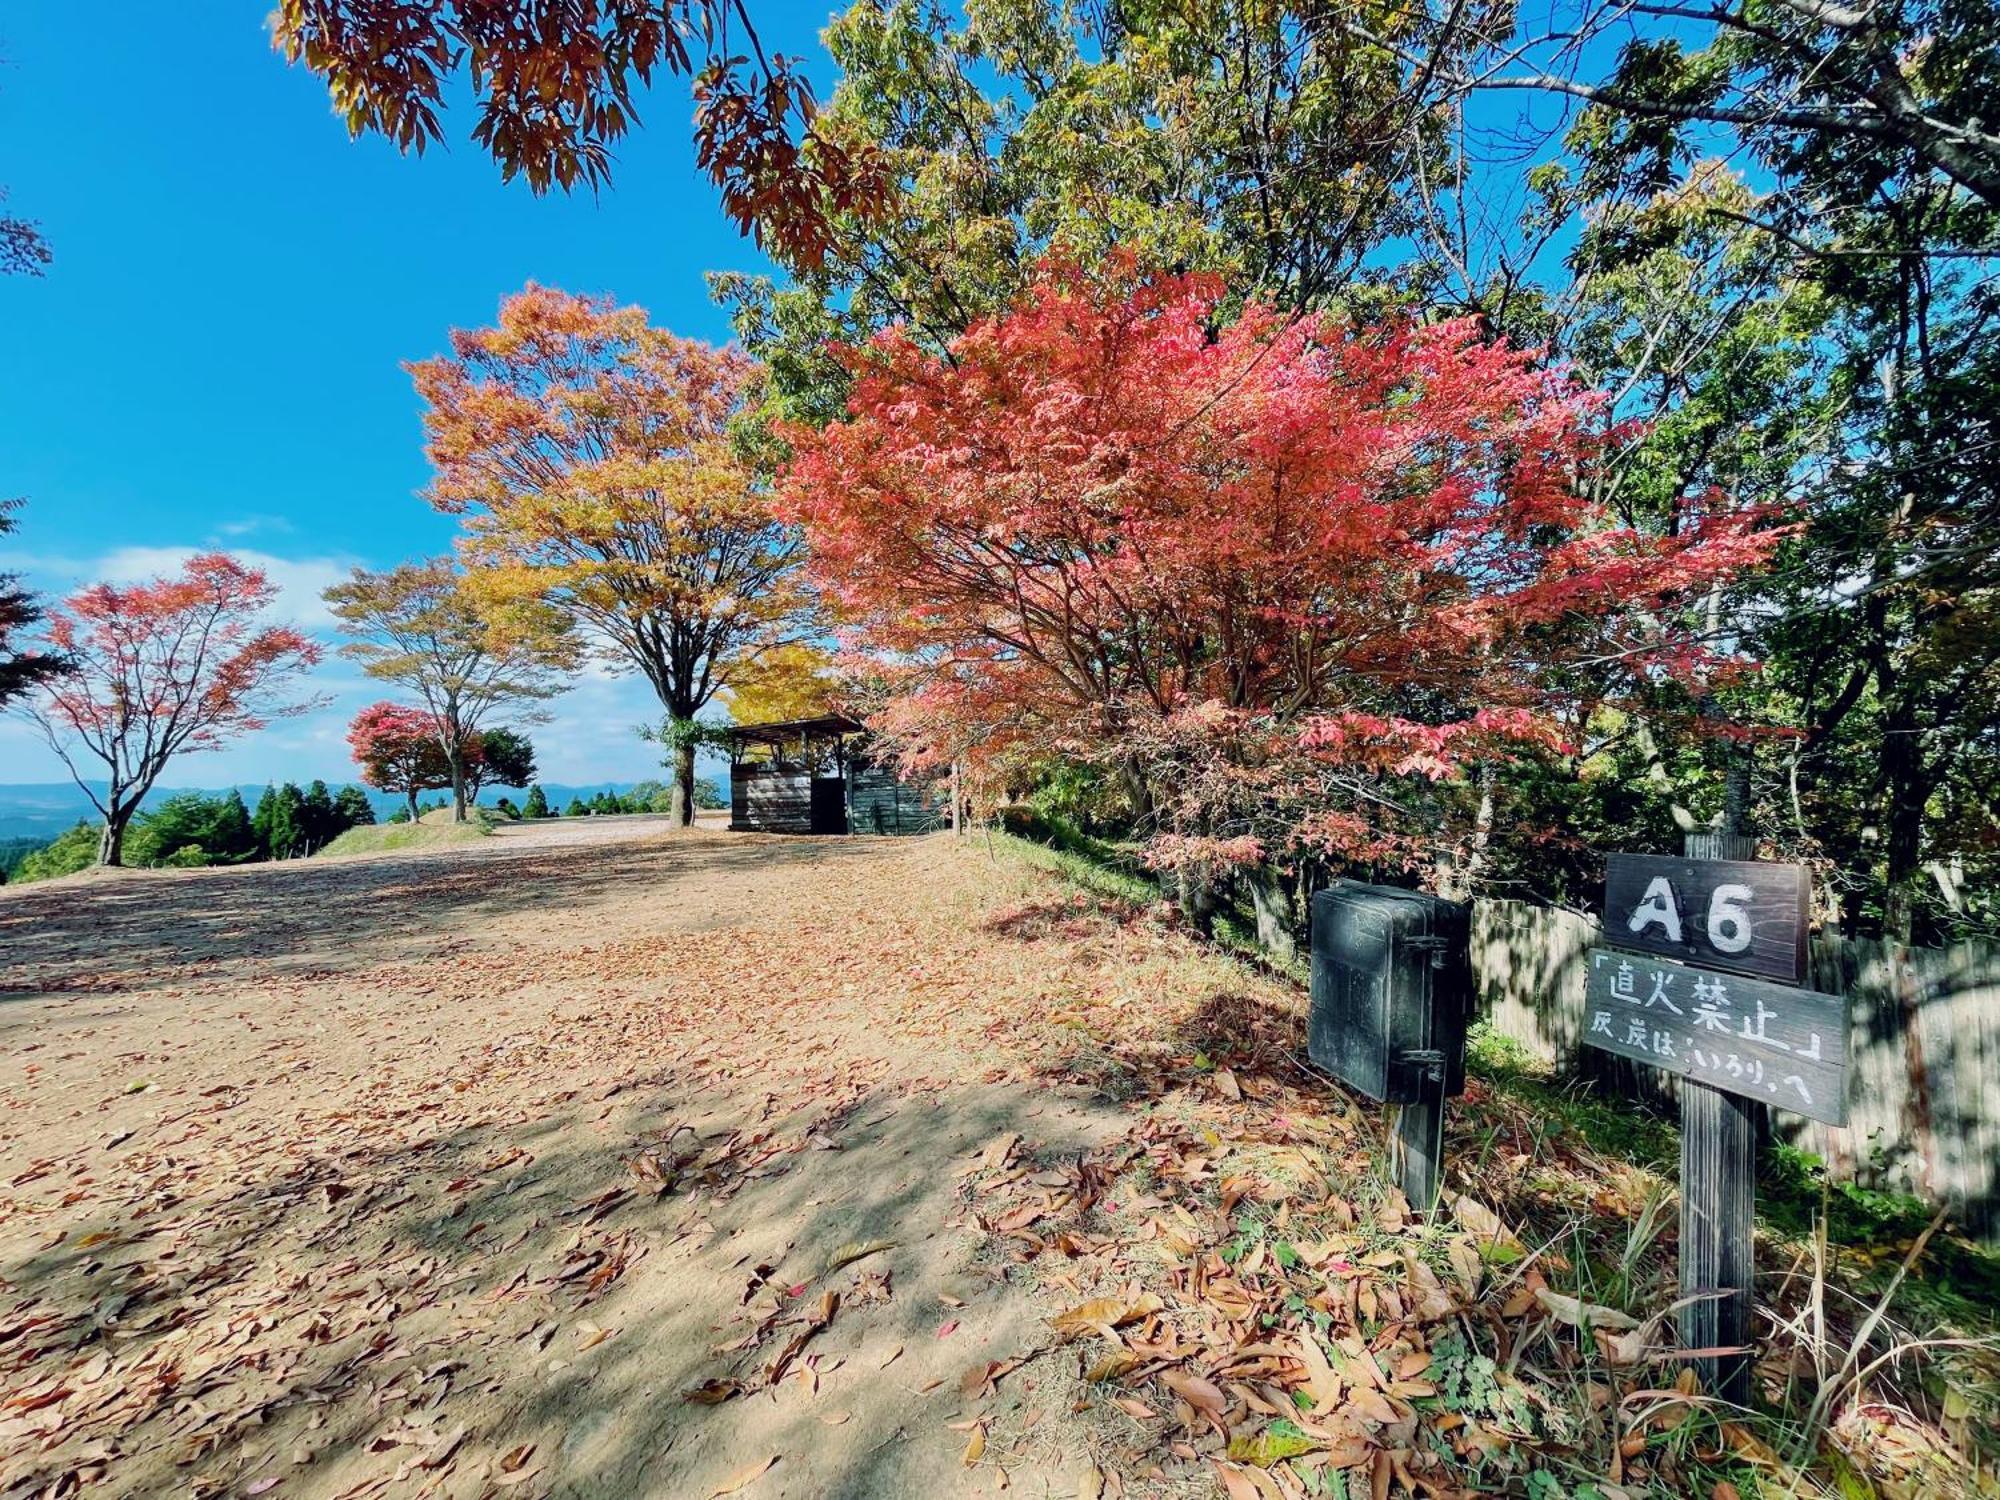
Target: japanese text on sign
{"type": "Point", "coordinates": [1785, 1046]}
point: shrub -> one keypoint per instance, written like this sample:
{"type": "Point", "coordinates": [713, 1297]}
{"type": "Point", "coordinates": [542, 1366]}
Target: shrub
{"type": "Point", "coordinates": [219, 829]}
{"type": "Point", "coordinates": [65, 854]}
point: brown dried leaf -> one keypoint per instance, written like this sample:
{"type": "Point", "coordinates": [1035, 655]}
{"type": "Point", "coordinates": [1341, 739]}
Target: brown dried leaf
{"type": "Point", "coordinates": [743, 1478]}
{"type": "Point", "coordinates": [1203, 1395]}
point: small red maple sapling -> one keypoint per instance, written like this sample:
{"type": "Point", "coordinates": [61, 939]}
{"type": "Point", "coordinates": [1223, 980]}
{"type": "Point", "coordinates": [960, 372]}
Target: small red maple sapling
{"type": "Point", "coordinates": [401, 749]}
{"type": "Point", "coordinates": [176, 663]}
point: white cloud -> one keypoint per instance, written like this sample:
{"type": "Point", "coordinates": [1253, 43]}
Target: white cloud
{"type": "Point", "coordinates": [299, 581]}
{"type": "Point", "coordinates": [590, 737]}
{"type": "Point", "coordinates": [251, 525]}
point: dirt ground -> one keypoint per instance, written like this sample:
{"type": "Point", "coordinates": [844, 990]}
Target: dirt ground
{"type": "Point", "coordinates": [595, 1159]}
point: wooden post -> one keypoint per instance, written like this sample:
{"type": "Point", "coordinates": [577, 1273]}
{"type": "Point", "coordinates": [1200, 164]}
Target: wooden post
{"type": "Point", "coordinates": [1416, 1152]}
{"type": "Point", "coordinates": [1718, 1201]}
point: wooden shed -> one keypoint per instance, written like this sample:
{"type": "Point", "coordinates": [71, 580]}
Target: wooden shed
{"type": "Point", "coordinates": [815, 776]}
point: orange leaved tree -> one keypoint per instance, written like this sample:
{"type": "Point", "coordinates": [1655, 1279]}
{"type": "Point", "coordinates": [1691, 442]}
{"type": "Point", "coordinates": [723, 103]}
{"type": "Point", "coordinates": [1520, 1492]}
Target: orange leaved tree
{"type": "Point", "coordinates": [590, 455]}
{"type": "Point", "coordinates": [555, 81]}
{"type": "Point", "coordinates": [420, 627]}
{"type": "Point", "coordinates": [174, 664]}
{"type": "Point", "coordinates": [1267, 568]}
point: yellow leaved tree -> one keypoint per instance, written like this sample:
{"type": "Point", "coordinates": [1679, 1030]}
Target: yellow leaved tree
{"type": "Point", "coordinates": [795, 681]}
{"type": "Point", "coordinates": [589, 454]}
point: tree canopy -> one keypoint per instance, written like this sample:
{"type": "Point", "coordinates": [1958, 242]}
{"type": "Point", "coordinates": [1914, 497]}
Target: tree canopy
{"type": "Point", "coordinates": [178, 663]}
{"type": "Point", "coordinates": [591, 456]}
{"type": "Point", "coordinates": [1261, 565]}
{"type": "Point", "coordinates": [555, 85]}
{"type": "Point", "coordinates": [420, 626]}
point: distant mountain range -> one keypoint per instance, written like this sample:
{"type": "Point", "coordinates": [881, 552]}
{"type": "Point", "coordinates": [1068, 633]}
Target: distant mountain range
{"type": "Point", "coordinates": [44, 809]}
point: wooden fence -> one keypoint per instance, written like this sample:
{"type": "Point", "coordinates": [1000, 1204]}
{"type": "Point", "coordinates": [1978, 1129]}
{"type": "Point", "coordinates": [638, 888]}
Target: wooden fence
{"type": "Point", "coordinates": [1923, 1105]}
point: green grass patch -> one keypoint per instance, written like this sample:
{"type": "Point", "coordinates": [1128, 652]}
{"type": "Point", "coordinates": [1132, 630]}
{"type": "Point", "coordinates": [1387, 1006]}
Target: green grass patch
{"type": "Point", "coordinates": [382, 838]}
{"type": "Point", "coordinates": [1107, 867]}
{"type": "Point", "coordinates": [1087, 863]}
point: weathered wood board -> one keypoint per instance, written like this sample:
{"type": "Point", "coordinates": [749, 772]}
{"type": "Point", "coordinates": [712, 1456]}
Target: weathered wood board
{"type": "Point", "coordinates": [880, 801]}
{"type": "Point", "coordinates": [1923, 1059]}
{"type": "Point", "coordinates": [1741, 915]}
{"type": "Point", "coordinates": [1784, 1046]}
{"type": "Point", "coordinates": [770, 801]}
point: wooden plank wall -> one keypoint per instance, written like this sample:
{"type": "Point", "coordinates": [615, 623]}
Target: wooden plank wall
{"type": "Point", "coordinates": [1924, 1091]}
{"type": "Point", "coordinates": [879, 801]}
{"type": "Point", "coordinates": [770, 801]}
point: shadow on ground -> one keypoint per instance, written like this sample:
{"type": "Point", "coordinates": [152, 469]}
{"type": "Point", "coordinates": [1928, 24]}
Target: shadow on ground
{"type": "Point", "coordinates": [502, 1293]}
{"type": "Point", "coordinates": [143, 929]}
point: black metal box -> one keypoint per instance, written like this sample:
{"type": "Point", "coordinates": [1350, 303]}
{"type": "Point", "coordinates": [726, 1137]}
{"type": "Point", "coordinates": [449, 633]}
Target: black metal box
{"type": "Point", "coordinates": [1391, 991]}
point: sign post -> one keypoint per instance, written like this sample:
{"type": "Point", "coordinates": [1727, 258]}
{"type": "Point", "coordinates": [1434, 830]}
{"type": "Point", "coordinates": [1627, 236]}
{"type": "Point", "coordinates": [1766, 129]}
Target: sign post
{"type": "Point", "coordinates": [1723, 1009]}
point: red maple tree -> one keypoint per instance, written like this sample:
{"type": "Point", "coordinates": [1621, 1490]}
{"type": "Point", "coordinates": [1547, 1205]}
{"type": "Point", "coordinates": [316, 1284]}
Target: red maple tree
{"type": "Point", "coordinates": [176, 663]}
{"type": "Point", "coordinates": [1261, 565]}
{"type": "Point", "coordinates": [401, 749]}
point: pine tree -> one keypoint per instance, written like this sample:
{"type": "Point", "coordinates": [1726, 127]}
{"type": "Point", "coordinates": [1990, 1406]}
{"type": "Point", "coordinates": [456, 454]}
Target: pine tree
{"type": "Point", "coordinates": [262, 820]}
{"type": "Point", "coordinates": [537, 805]}
{"type": "Point", "coordinates": [317, 822]}
{"type": "Point", "coordinates": [353, 809]}
{"type": "Point", "coordinates": [287, 832]}
{"type": "Point", "coordinates": [231, 836]}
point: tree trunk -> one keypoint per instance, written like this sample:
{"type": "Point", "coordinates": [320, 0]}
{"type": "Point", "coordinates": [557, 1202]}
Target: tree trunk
{"type": "Point", "coordinates": [683, 800]}
{"type": "Point", "coordinates": [1132, 777]}
{"type": "Point", "coordinates": [1271, 898]}
{"type": "Point", "coordinates": [458, 789]}
{"type": "Point", "coordinates": [1197, 902]}
{"type": "Point", "coordinates": [1904, 795]}
{"type": "Point", "coordinates": [111, 842]}
{"type": "Point", "coordinates": [1458, 879]}
{"type": "Point", "coordinates": [411, 793]}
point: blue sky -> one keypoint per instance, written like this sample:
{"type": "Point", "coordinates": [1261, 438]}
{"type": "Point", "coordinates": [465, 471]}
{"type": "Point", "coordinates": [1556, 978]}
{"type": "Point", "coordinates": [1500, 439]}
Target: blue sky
{"type": "Point", "coordinates": [214, 359]}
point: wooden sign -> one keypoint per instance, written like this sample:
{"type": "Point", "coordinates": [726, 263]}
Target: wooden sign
{"type": "Point", "coordinates": [1784, 1046]}
{"type": "Point", "coordinates": [1739, 915]}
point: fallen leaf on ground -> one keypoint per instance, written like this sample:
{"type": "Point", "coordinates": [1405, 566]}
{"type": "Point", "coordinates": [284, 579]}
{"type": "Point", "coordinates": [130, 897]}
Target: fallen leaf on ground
{"type": "Point", "coordinates": [852, 1251]}
{"type": "Point", "coordinates": [1580, 1314]}
{"type": "Point", "coordinates": [744, 1477]}
{"type": "Point", "coordinates": [1104, 1314]}
{"type": "Point", "coordinates": [714, 1392]}
{"type": "Point", "coordinates": [1203, 1395]}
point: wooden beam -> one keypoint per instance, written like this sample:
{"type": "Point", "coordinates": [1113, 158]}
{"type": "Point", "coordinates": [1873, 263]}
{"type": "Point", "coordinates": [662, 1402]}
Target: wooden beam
{"type": "Point", "coordinates": [1718, 1204]}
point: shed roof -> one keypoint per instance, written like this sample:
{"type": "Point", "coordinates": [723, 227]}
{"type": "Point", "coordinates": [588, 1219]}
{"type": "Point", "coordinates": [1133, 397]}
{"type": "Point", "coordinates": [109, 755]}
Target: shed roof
{"type": "Point", "coordinates": [786, 731]}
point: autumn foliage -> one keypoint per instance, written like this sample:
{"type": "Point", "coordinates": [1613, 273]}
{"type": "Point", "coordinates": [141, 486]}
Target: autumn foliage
{"type": "Point", "coordinates": [590, 455]}
{"type": "Point", "coordinates": [402, 750]}
{"type": "Point", "coordinates": [1262, 567]}
{"type": "Point", "coordinates": [173, 664]}
{"type": "Point", "coordinates": [555, 91]}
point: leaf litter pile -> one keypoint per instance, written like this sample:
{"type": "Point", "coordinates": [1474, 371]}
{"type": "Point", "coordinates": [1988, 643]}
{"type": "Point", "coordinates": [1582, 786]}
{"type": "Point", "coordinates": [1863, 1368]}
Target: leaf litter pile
{"type": "Point", "coordinates": [717, 1167]}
